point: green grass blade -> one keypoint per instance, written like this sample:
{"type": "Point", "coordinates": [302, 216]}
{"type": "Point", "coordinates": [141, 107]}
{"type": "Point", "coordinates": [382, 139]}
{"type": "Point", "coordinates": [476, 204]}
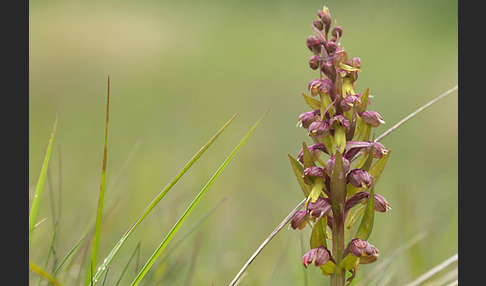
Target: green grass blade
{"type": "Point", "coordinates": [66, 258]}
{"type": "Point", "coordinates": [137, 250]}
{"type": "Point", "coordinates": [40, 183]}
{"type": "Point", "coordinates": [42, 273]}
{"type": "Point", "coordinates": [149, 208]}
{"type": "Point", "coordinates": [96, 236]}
{"type": "Point", "coordinates": [181, 220]}
{"type": "Point", "coordinates": [394, 127]}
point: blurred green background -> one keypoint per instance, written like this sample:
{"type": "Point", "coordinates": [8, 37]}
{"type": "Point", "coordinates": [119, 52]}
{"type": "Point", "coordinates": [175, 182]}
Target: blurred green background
{"type": "Point", "coordinates": [179, 70]}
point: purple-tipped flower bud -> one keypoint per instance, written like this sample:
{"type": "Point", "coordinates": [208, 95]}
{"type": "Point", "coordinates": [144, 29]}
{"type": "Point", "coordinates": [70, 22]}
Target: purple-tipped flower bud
{"type": "Point", "coordinates": [331, 47]}
{"type": "Point", "coordinates": [381, 204]}
{"type": "Point", "coordinates": [326, 86]}
{"type": "Point", "coordinates": [314, 62]}
{"type": "Point", "coordinates": [299, 221]}
{"type": "Point", "coordinates": [349, 101]}
{"type": "Point", "coordinates": [331, 161]}
{"type": "Point", "coordinates": [307, 118]}
{"type": "Point", "coordinates": [378, 151]}
{"type": "Point", "coordinates": [319, 208]}
{"type": "Point", "coordinates": [314, 86]}
{"type": "Point", "coordinates": [337, 32]}
{"type": "Point", "coordinates": [318, 24]}
{"type": "Point", "coordinates": [354, 62]}
{"type": "Point", "coordinates": [319, 128]}
{"type": "Point", "coordinates": [360, 178]}
{"type": "Point", "coordinates": [339, 120]}
{"type": "Point", "coordinates": [314, 44]}
{"type": "Point", "coordinates": [314, 150]}
{"type": "Point", "coordinates": [366, 251]}
{"type": "Point", "coordinates": [310, 173]}
{"type": "Point", "coordinates": [325, 17]}
{"type": "Point", "coordinates": [319, 256]}
{"type": "Point", "coordinates": [371, 118]}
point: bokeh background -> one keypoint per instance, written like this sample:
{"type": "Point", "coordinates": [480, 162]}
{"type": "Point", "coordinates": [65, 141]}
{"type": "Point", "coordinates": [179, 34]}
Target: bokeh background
{"type": "Point", "coordinates": [178, 71]}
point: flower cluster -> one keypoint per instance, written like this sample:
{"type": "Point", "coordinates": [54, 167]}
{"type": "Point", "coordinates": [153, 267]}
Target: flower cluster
{"type": "Point", "coordinates": [342, 181]}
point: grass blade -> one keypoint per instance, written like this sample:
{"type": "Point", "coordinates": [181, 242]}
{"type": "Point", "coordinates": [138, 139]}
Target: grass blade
{"type": "Point", "coordinates": [40, 183]}
{"type": "Point", "coordinates": [415, 113]}
{"type": "Point", "coordinates": [427, 275]}
{"type": "Point", "coordinates": [181, 220]}
{"type": "Point", "coordinates": [65, 258]}
{"type": "Point", "coordinates": [149, 208]}
{"type": "Point", "coordinates": [96, 236]}
{"type": "Point", "coordinates": [39, 271]}
{"type": "Point", "coordinates": [137, 250]}
{"type": "Point", "coordinates": [266, 241]}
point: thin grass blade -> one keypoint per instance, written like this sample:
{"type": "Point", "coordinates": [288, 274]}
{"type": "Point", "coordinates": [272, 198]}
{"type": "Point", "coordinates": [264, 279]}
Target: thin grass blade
{"type": "Point", "coordinates": [152, 205]}
{"type": "Point", "coordinates": [137, 250]}
{"type": "Point", "coordinates": [394, 127]}
{"type": "Point", "coordinates": [40, 183]}
{"type": "Point", "coordinates": [42, 273]}
{"type": "Point", "coordinates": [65, 258]}
{"type": "Point", "coordinates": [181, 220]}
{"type": "Point", "coordinates": [96, 236]}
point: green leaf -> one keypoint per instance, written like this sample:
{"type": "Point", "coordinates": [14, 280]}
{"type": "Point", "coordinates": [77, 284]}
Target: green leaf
{"type": "Point", "coordinates": [318, 235]}
{"type": "Point", "coordinates": [40, 183]}
{"type": "Point", "coordinates": [355, 215]}
{"type": "Point", "coordinates": [369, 160]}
{"type": "Point", "coordinates": [298, 171]}
{"type": "Point", "coordinates": [307, 157]}
{"type": "Point", "coordinates": [312, 102]}
{"type": "Point", "coordinates": [377, 168]}
{"type": "Point", "coordinates": [181, 220]}
{"type": "Point", "coordinates": [364, 100]}
{"type": "Point", "coordinates": [42, 273]}
{"type": "Point", "coordinates": [366, 225]}
{"type": "Point", "coordinates": [99, 212]}
{"type": "Point", "coordinates": [157, 199]}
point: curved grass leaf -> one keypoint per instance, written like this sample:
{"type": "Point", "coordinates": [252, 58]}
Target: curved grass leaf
{"type": "Point", "coordinates": [42, 273]}
{"type": "Point", "coordinates": [65, 258]}
{"type": "Point", "coordinates": [152, 205]}
{"type": "Point", "coordinates": [99, 212]}
{"type": "Point", "coordinates": [181, 220]}
{"type": "Point", "coordinates": [40, 183]}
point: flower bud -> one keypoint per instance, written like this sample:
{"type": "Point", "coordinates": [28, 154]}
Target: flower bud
{"type": "Point", "coordinates": [331, 161]}
{"type": "Point", "coordinates": [314, 44]}
{"type": "Point", "coordinates": [349, 101]}
{"type": "Point", "coordinates": [314, 62]}
{"type": "Point", "coordinates": [319, 208]}
{"type": "Point", "coordinates": [310, 173]}
{"type": "Point", "coordinates": [354, 62]}
{"type": "Point", "coordinates": [331, 47]}
{"type": "Point", "coordinates": [337, 32]}
{"type": "Point", "coordinates": [339, 120]}
{"type": "Point", "coordinates": [319, 128]}
{"type": "Point", "coordinates": [299, 221]}
{"type": "Point", "coordinates": [314, 86]}
{"type": "Point", "coordinates": [371, 118]}
{"type": "Point", "coordinates": [306, 118]}
{"type": "Point", "coordinates": [314, 150]}
{"type": "Point", "coordinates": [378, 151]}
{"type": "Point", "coordinates": [318, 24]}
{"type": "Point", "coordinates": [325, 17]}
{"type": "Point", "coordinates": [319, 256]}
{"type": "Point", "coordinates": [381, 204]}
{"type": "Point", "coordinates": [360, 178]}
{"type": "Point", "coordinates": [363, 249]}
{"type": "Point", "coordinates": [326, 86]}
